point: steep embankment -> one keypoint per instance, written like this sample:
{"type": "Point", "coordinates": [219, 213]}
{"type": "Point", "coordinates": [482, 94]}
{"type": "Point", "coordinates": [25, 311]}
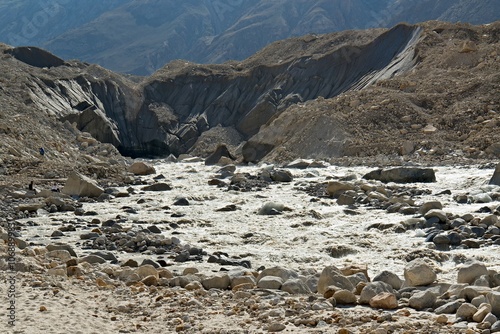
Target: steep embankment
{"type": "Point", "coordinates": [355, 93]}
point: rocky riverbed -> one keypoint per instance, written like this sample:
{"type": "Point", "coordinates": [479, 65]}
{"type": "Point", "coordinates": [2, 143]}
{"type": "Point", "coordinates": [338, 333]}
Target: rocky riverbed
{"type": "Point", "coordinates": [308, 247]}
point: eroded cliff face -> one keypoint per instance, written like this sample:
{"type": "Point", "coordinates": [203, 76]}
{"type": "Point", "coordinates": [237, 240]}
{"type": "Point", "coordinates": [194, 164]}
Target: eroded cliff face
{"type": "Point", "coordinates": [169, 111]}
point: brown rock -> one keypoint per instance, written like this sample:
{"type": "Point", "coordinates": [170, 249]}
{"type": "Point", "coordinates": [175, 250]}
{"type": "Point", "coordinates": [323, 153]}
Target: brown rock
{"type": "Point", "coordinates": [384, 300]}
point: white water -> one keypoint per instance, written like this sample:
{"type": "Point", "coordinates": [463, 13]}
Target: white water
{"type": "Point", "coordinates": [277, 240]}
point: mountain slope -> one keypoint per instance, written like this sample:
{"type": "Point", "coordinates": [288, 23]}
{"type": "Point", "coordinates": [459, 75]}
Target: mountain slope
{"type": "Point", "coordinates": [414, 91]}
{"type": "Point", "coordinates": [138, 37]}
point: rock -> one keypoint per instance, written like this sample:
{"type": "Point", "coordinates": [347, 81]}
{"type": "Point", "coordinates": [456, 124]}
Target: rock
{"type": "Point", "coordinates": [335, 188]}
{"type": "Point", "coordinates": [482, 311]}
{"type": "Point", "coordinates": [494, 300]}
{"type": "Point", "coordinates": [372, 289]}
{"type": "Point", "coordinates": [490, 220]}
{"type": "Point", "coordinates": [276, 327]}
{"type": "Point", "coordinates": [246, 279]}
{"type": "Point", "coordinates": [53, 247]}
{"type": "Point", "coordinates": [160, 186]}
{"type": "Point", "coordinates": [182, 201]}
{"type": "Point", "coordinates": [495, 179]}
{"type": "Point", "coordinates": [62, 255]}
{"type": "Point", "coordinates": [281, 175]}
{"type": "Point", "coordinates": [192, 286]}
{"type": "Point", "coordinates": [448, 308]}
{"type": "Point", "coordinates": [82, 186]}
{"type": "Point", "coordinates": [422, 300]}
{"type": "Point", "coordinates": [427, 206]}
{"type": "Point", "coordinates": [141, 168]}
{"type": "Point", "coordinates": [466, 311]}
{"type": "Point", "coordinates": [419, 273]}
{"type": "Point", "coordinates": [491, 318]}
{"type": "Point", "coordinates": [271, 208]}
{"type": "Point", "coordinates": [57, 272]}
{"type": "Point", "coordinates": [30, 207]}
{"type": "Point", "coordinates": [469, 272]}
{"type": "Point", "coordinates": [495, 327]}
{"type": "Point", "coordinates": [384, 300]}
{"type": "Point", "coordinates": [402, 175]}
{"type": "Point", "coordinates": [389, 278]}
{"type": "Point", "coordinates": [221, 281]}
{"type": "Point", "coordinates": [345, 297]}
{"type": "Point", "coordinates": [295, 286]}
{"type": "Point", "coordinates": [146, 270]}
{"type": "Point", "coordinates": [435, 213]}
{"type": "Point", "coordinates": [270, 282]}
{"type": "Point", "coordinates": [331, 275]}
{"type": "Point", "coordinates": [150, 280]}
{"type": "Point", "coordinates": [215, 157]}
{"type": "Point", "coordinates": [92, 259]}
{"type": "Point", "coordinates": [35, 57]}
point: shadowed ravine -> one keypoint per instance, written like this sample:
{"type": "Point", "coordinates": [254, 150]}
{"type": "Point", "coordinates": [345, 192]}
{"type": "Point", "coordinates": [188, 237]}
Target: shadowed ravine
{"type": "Point", "coordinates": [167, 112]}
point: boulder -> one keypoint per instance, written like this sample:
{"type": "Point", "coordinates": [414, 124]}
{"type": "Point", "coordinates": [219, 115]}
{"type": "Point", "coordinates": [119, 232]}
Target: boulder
{"type": "Point", "coordinates": [270, 282]}
{"type": "Point", "coordinates": [402, 175]}
{"type": "Point", "coordinates": [495, 179]}
{"type": "Point", "coordinates": [422, 300]}
{"type": "Point", "coordinates": [160, 186]}
{"type": "Point", "coordinates": [331, 275]}
{"type": "Point", "coordinates": [82, 186]}
{"type": "Point", "coordinates": [466, 311]}
{"type": "Point", "coordinates": [469, 272]}
{"type": "Point", "coordinates": [389, 278]}
{"type": "Point", "coordinates": [372, 289]}
{"type": "Point", "coordinates": [494, 300]}
{"type": "Point", "coordinates": [295, 286]}
{"type": "Point", "coordinates": [215, 157]}
{"type": "Point", "coordinates": [141, 168]}
{"type": "Point", "coordinates": [283, 273]}
{"type": "Point", "coordinates": [419, 273]}
{"type": "Point", "coordinates": [345, 297]}
{"type": "Point", "coordinates": [220, 281]}
{"type": "Point", "coordinates": [384, 300]}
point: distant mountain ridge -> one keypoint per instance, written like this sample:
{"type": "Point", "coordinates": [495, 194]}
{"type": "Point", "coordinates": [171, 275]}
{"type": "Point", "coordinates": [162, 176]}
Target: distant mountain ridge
{"type": "Point", "coordinates": [140, 36]}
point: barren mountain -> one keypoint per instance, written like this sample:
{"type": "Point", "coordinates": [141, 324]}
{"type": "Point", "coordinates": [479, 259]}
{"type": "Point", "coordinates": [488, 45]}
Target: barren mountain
{"type": "Point", "coordinates": [139, 37]}
{"type": "Point", "coordinates": [414, 92]}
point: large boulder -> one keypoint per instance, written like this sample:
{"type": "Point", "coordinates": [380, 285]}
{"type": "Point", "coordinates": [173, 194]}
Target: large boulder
{"type": "Point", "coordinates": [82, 186]}
{"type": "Point", "coordinates": [402, 175]}
{"type": "Point", "coordinates": [35, 56]}
{"type": "Point", "coordinates": [495, 179]}
{"type": "Point", "coordinates": [141, 168]}
{"type": "Point", "coordinates": [419, 273]}
{"type": "Point", "coordinates": [215, 157]}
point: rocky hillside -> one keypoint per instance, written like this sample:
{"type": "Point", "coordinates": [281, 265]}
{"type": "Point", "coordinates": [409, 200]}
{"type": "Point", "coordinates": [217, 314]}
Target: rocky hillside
{"type": "Point", "coordinates": [427, 91]}
{"type": "Point", "coordinates": [139, 37]}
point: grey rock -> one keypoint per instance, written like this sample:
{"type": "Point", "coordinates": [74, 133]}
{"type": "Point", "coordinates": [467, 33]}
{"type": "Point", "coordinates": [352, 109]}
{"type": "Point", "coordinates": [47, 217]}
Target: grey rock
{"type": "Point", "coordinates": [422, 300]}
{"type": "Point", "coordinates": [295, 286]}
{"type": "Point", "coordinates": [389, 278]}
{"type": "Point", "coordinates": [160, 186]}
{"type": "Point", "coordinates": [469, 272]}
{"type": "Point", "coordinates": [402, 175]}
{"type": "Point", "coordinates": [372, 289]}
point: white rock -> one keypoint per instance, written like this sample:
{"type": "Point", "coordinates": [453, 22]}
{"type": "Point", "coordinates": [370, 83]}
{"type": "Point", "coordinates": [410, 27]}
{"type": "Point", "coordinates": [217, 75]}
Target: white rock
{"type": "Point", "coordinates": [80, 185]}
{"type": "Point", "coordinates": [419, 273]}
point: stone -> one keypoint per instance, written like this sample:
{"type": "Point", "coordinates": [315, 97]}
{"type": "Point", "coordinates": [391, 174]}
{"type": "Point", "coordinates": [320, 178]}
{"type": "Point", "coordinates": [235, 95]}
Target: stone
{"type": "Point", "coordinates": [146, 270]}
{"type": "Point", "coordinates": [490, 220]}
{"type": "Point", "coordinates": [281, 175]}
{"type": "Point", "coordinates": [276, 327]}
{"type": "Point", "coordinates": [215, 157]}
{"type": "Point", "coordinates": [245, 279]}
{"type": "Point", "coordinates": [372, 289]}
{"type": "Point", "coordinates": [439, 214]}
{"type": "Point", "coordinates": [345, 297]}
{"type": "Point", "coordinates": [283, 273]}
{"type": "Point", "coordinates": [389, 278]}
{"type": "Point", "coordinates": [62, 272]}
{"type": "Point", "coordinates": [466, 311]}
{"type": "Point", "coordinates": [494, 300]}
{"type": "Point", "coordinates": [422, 300]}
{"type": "Point", "coordinates": [53, 247]}
{"type": "Point", "coordinates": [30, 207]}
{"type": "Point", "coordinates": [448, 308]}
{"type": "Point", "coordinates": [62, 255]}
{"type": "Point", "coordinates": [141, 168]}
{"type": "Point", "coordinates": [402, 175]}
{"type": "Point", "coordinates": [159, 186]}
{"type": "Point", "coordinates": [495, 179]}
{"type": "Point", "coordinates": [150, 280]}
{"type": "Point", "coordinates": [82, 186]}
{"type": "Point", "coordinates": [93, 259]}
{"type": "Point", "coordinates": [384, 300]}
{"type": "Point", "coordinates": [491, 318]}
{"type": "Point", "coordinates": [419, 273]}
{"type": "Point", "coordinates": [271, 208]}
{"type": "Point", "coordinates": [270, 282]}
{"type": "Point", "coordinates": [220, 281]}
{"type": "Point", "coordinates": [331, 275]}
{"type": "Point", "coordinates": [482, 311]}
{"type": "Point", "coordinates": [295, 286]}
{"type": "Point", "coordinates": [469, 272]}
{"type": "Point", "coordinates": [427, 206]}
{"type": "Point", "coordinates": [335, 188]}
